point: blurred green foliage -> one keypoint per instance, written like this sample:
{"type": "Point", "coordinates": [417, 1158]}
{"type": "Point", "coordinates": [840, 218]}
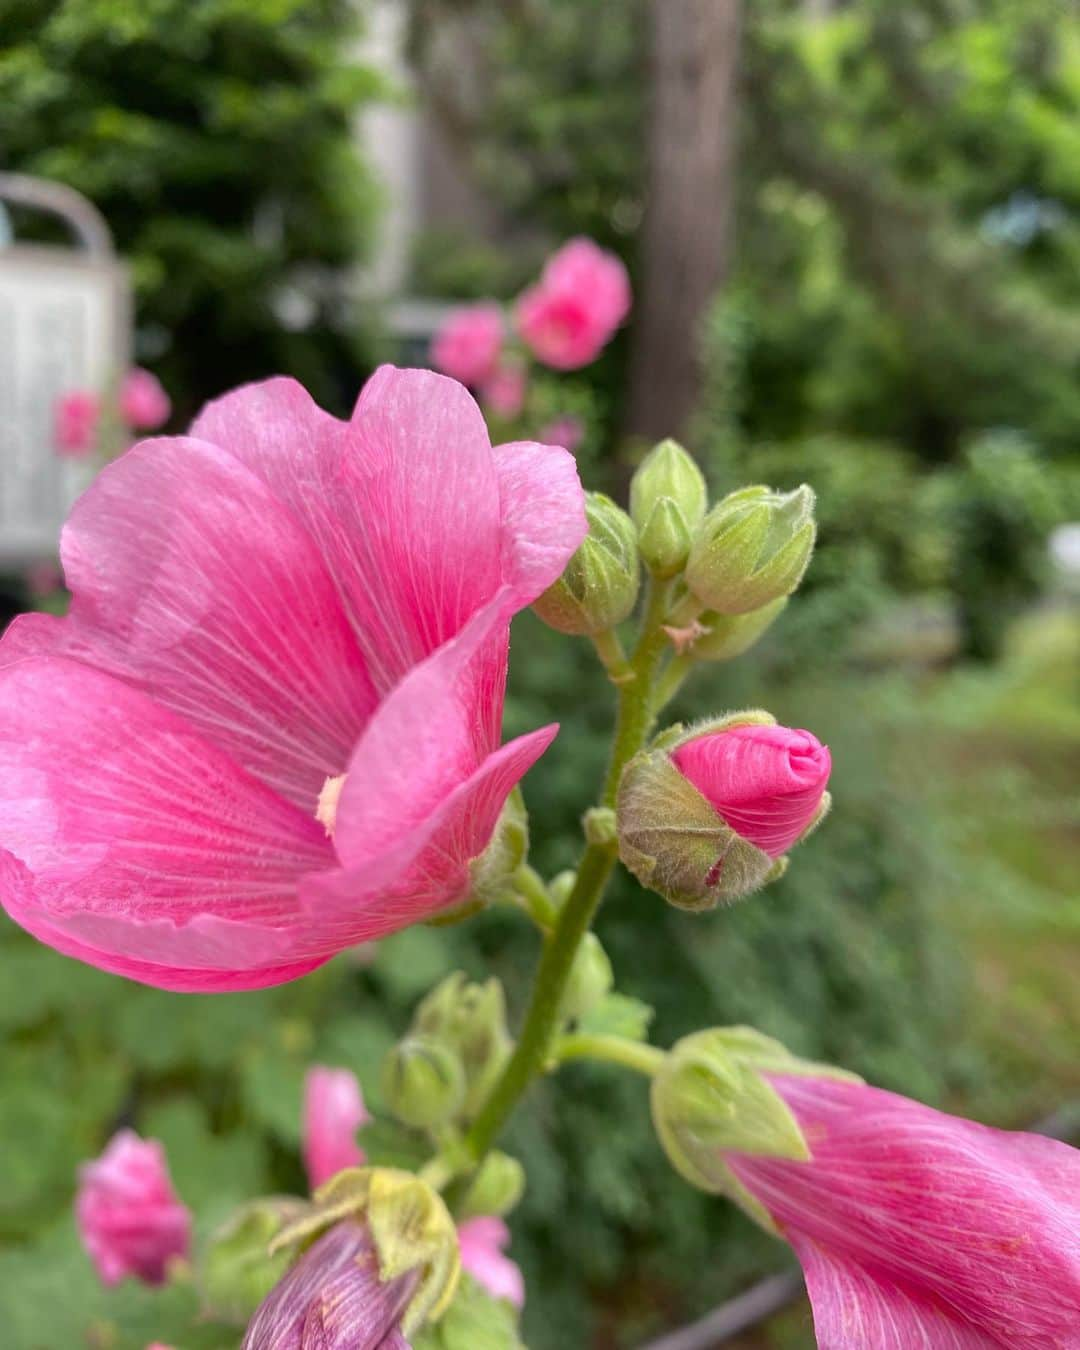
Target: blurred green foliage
{"type": "Point", "coordinates": [216, 138]}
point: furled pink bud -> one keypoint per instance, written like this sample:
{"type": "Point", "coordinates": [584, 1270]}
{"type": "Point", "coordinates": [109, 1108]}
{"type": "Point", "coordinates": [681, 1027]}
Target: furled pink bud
{"type": "Point", "coordinates": [707, 817]}
{"type": "Point", "coordinates": [333, 1111]}
{"type": "Point", "coordinates": [481, 1242]}
{"type": "Point", "coordinates": [767, 782]}
{"type": "Point", "coordinates": [916, 1228]}
{"type": "Point", "coordinates": [76, 416]}
{"type": "Point", "coordinates": [333, 1298]}
{"type": "Point", "coordinates": [144, 404]}
{"type": "Point", "coordinates": [468, 345]}
{"type": "Point", "coordinates": [128, 1214]}
{"type": "Point", "coordinates": [503, 392]}
{"type": "Point", "coordinates": [567, 431]}
{"type": "Point", "coordinates": [570, 315]}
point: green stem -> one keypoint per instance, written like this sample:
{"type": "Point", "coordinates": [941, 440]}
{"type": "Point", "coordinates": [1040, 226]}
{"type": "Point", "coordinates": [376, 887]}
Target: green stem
{"type": "Point", "coordinates": [671, 681]}
{"type": "Point", "coordinates": [534, 897]}
{"type": "Point", "coordinates": [644, 1059]}
{"type": "Point", "coordinates": [531, 1054]}
{"type": "Point", "coordinates": [610, 651]}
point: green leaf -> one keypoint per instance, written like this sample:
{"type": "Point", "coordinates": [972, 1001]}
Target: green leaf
{"type": "Point", "coordinates": [474, 1321]}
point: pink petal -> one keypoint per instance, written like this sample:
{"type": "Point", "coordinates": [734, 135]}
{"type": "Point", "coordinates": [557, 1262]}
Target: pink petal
{"type": "Point", "coordinates": [137, 838]}
{"type": "Point", "coordinates": [934, 1214]}
{"type": "Point", "coordinates": [543, 512]}
{"type": "Point", "coordinates": [481, 1242]}
{"type": "Point", "coordinates": [333, 1111]}
{"type": "Point", "coordinates": [193, 583]}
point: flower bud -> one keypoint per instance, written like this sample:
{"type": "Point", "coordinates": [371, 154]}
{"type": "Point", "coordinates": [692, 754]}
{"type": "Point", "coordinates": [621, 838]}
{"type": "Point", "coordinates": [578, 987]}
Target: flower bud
{"type": "Point", "coordinates": [382, 1261]}
{"type": "Point", "coordinates": [493, 870]}
{"type": "Point", "coordinates": [752, 548]}
{"type": "Point", "coordinates": [423, 1082]}
{"type": "Point", "coordinates": [600, 584]}
{"type": "Point", "coordinates": [237, 1271]}
{"type": "Point", "coordinates": [471, 1020]}
{"type": "Point", "coordinates": [496, 1188]}
{"type": "Point", "coordinates": [706, 817]}
{"type": "Point", "coordinates": [668, 497]}
{"type": "Point", "coordinates": [729, 635]}
{"type": "Point", "coordinates": [591, 977]}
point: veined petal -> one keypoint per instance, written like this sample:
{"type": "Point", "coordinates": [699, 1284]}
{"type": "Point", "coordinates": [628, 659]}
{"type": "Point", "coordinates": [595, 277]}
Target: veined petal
{"type": "Point", "coordinates": [192, 582]}
{"type": "Point", "coordinates": [543, 512]}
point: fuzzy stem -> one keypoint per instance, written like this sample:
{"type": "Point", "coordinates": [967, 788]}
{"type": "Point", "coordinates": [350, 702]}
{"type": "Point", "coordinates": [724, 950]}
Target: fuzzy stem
{"type": "Point", "coordinates": [644, 1059]}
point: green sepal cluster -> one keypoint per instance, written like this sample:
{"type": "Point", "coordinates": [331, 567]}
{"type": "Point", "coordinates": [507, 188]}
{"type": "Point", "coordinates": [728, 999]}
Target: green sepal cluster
{"type": "Point", "coordinates": [236, 1270]}
{"type": "Point", "coordinates": [600, 585]}
{"type": "Point", "coordinates": [668, 498]}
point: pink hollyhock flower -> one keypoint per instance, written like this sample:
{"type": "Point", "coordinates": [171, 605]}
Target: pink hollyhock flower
{"type": "Point", "coordinates": [76, 417]}
{"type": "Point", "coordinates": [766, 782]}
{"type": "Point", "coordinates": [468, 345]}
{"type": "Point", "coordinates": [129, 1218]}
{"type": "Point", "coordinates": [568, 431]}
{"type": "Point", "coordinates": [915, 1228]}
{"type": "Point", "coordinates": [144, 404]}
{"type": "Point", "coordinates": [333, 1111]}
{"type": "Point", "coordinates": [481, 1242]}
{"type": "Point", "coordinates": [333, 1299]}
{"type": "Point", "coordinates": [570, 315]}
{"type": "Point", "coordinates": [503, 392]}
{"type": "Point", "coordinates": [269, 727]}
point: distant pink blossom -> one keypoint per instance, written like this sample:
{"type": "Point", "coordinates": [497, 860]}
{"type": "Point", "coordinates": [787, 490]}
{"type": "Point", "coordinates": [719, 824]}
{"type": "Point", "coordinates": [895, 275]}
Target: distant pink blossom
{"type": "Point", "coordinates": [129, 1218]}
{"type": "Point", "coordinates": [269, 727]}
{"type": "Point", "coordinates": [333, 1111]}
{"type": "Point", "coordinates": [468, 345]}
{"type": "Point", "coordinates": [144, 404]}
{"type": "Point", "coordinates": [916, 1228]}
{"type": "Point", "coordinates": [43, 579]}
{"type": "Point", "coordinates": [766, 782]}
{"type": "Point", "coordinates": [570, 315]}
{"type": "Point", "coordinates": [503, 392]}
{"type": "Point", "coordinates": [567, 431]}
{"type": "Point", "coordinates": [481, 1242]}
{"type": "Point", "coordinates": [76, 416]}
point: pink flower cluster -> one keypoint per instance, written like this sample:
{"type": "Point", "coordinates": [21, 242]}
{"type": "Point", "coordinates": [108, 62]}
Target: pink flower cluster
{"type": "Point", "coordinates": [269, 727]}
{"type": "Point", "coordinates": [142, 402]}
{"type": "Point", "coordinates": [565, 320]}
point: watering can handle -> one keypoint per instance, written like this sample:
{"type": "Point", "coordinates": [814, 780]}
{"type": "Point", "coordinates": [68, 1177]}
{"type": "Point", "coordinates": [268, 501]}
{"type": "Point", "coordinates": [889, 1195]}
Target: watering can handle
{"type": "Point", "coordinates": [80, 215]}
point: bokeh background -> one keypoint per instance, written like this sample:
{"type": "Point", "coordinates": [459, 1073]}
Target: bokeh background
{"type": "Point", "coordinates": [854, 235]}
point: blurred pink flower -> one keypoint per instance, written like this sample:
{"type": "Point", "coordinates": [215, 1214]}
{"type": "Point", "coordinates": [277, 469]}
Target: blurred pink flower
{"type": "Point", "coordinates": [333, 1299]}
{"type": "Point", "coordinates": [916, 1228]}
{"type": "Point", "coordinates": [144, 404]}
{"type": "Point", "coordinates": [567, 431]}
{"type": "Point", "coordinates": [278, 617]}
{"type": "Point", "coordinates": [503, 392]}
{"type": "Point", "coordinates": [766, 782]}
{"type": "Point", "coordinates": [333, 1111]}
{"type": "Point", "coordinates": [468, 345]}
{"type": "Point", "coordinates": [43, 579]}
{"type": "Point", "coordinates": [481, 1242]}
{"type": "Point", "coordinates": [76, 416]}
{"type": "Point", "coordinates": [129, 1218]}
{"type": "Point", "coordinates": [570, 315]}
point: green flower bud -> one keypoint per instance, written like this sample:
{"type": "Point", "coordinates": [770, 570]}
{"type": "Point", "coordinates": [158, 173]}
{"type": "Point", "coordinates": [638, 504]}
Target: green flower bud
{"type": "Point", "coordinates": [591, 977]}
{"type": "Point", "coordinates": [236, 1271]}
{"type": "Point", "coordinates": [752, 548]}
{"type": "Point", "coordinates": [673, 839]}
{"type": "Point", "coordinates": [729, 635]}
{"type": "Point", "coordinates": [423, 1082]}
{"type": "Point", "coordinates": [600, 584]}
{"type": "Point", "coordinates": [668, 498]}
{"type": "Point", "coordinates": [496, 1188]}
{"type": "Point", "coordinates": [471, 1020]}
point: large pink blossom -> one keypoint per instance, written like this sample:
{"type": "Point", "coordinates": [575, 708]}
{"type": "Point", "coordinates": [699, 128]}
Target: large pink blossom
{"type": "Point", "coordinates": [570, 315]}
{"type": "Point", "coordinates": [481, 1242]}
{"type": "Point", "coordinates": [269, 727]}
{"type": "Point", "coordinates": [333, 1111]}
{"type": "Point", "coordinates": [129, 1218]}
{"type": "Point", "coordinates": [766, 782]}
{"type": "Point", "coordinates": [144, 404]}
{"type": "Point", "coordinates": [916, 1228]}
{"type": "Point", "coordinates": [468, 345]}
{"type": "Point", "coordinates": [76, 417]}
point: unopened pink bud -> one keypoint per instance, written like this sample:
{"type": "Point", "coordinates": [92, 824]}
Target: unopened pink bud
{"type": "Point", "coordinates": [333, 1111]}
{"type": "Point", "coordinates": [144, 404]}
{"type": "Point", "coordinates": [468, 345]}
{"type": "Point", "coordinates": [128, 1214]}
{"type": "Point", "coordinates": [766, 782]}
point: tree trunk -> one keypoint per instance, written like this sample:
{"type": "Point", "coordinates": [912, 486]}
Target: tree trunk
{"type": "Point", "coordinates": [687, 232]}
